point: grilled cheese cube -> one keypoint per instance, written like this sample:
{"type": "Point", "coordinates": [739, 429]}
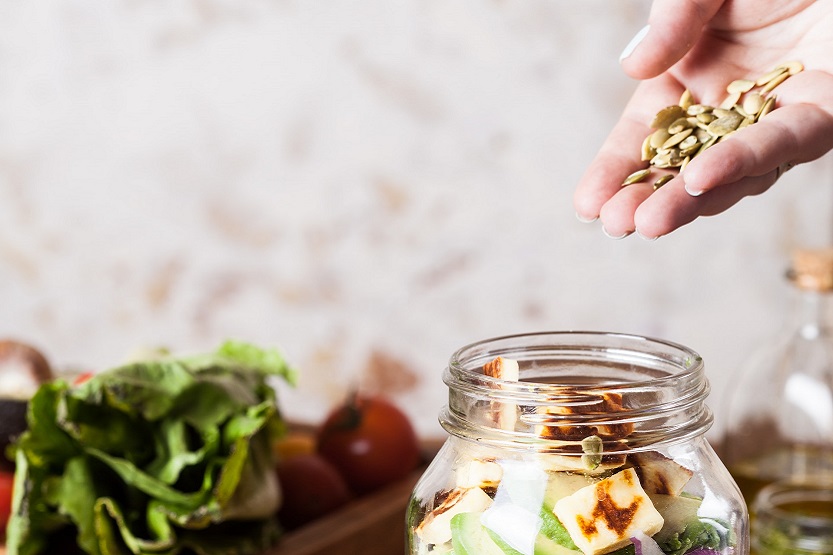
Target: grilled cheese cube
{"type": "Point", "coordinates": [435, 528]}
{"type": "Point", "coordinates": [659, 474]}
{"type": "Point", "coordinates": [479, 473]}
{"type": "Point", "coordinates": [604, 516]}
{"type": "Point", "coordinates": [506, 414]}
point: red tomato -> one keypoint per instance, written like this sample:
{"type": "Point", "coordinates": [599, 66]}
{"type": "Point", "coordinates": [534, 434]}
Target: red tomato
{"type": "Point", "coordinates": [370, 441]}
{"type": "Point", "coordinates": [311, 488]}
{"type": "Point", "coordinates": [6, 483]}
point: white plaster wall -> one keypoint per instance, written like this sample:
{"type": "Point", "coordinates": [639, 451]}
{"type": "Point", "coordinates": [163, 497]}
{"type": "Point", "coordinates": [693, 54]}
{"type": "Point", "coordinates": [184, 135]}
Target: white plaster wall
{"type": "Point", "coordinates": [362, 183]}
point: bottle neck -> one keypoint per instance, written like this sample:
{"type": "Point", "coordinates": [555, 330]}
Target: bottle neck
{"type": "Point", "coordinates": [812, 313]}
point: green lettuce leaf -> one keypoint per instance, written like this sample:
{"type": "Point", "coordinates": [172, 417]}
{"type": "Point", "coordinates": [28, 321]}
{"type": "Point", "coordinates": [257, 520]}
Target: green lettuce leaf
{"type": "Point", "coordinates": [164, 456]}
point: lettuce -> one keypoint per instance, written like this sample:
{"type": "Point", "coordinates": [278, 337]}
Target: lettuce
{"type": "Point", "coordinates": [158, 457]}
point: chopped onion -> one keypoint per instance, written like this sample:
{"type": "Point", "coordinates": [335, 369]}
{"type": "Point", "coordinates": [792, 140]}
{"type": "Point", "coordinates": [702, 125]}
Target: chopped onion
{"type": "Point", "coordinates": [645, 545]}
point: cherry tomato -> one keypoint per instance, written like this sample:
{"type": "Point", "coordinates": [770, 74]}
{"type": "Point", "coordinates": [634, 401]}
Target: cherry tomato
{"type": "Point", "coordinates": [6, 483]}
{"type": "Point", "coordinates": [370, 441]}
{"type": "Point", "coordinates": [311, 488]}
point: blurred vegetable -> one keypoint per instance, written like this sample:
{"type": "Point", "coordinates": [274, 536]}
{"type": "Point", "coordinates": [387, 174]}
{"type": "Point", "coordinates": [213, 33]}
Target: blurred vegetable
{"type": "Point", "coordinates": [6, 483]}
{"type": "Point", "coordinates": [311, 489]}
{"type": "Point", "coordinates": [157, 457]}
{"type": "Point", "coordinates": [370, 441]}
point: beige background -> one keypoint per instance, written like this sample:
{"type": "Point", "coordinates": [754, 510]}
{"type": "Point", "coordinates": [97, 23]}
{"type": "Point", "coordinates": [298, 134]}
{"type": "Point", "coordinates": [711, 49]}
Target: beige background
{"type": "Point", "coordinates": [367, 184]}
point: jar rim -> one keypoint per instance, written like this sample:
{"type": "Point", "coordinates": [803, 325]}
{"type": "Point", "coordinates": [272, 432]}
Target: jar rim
{"type": "Point", "coordinates": [691, 363]}
{"type": "Point", "coordinates": [815, 531]}
{"type": "Point", "coordinates": [608, 381]}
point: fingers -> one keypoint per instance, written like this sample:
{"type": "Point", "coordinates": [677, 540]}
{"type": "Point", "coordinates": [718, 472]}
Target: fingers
{"type": "Point", "coordinates": [671, 207]}
{"type": "Point", "coordinates": [674, 26]}
{"type": "Point", "coordinates": [620, 154]}
{"type": "Point", "coordinates": [795, 133]}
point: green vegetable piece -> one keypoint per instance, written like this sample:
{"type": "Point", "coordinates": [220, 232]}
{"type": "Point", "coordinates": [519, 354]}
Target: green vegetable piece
{"type": "Point", "coordinates": [267, 361]}
{"type": "Point", "coordinates": [698, 534]}
{"type": "Point", "coordinates": [470, 537]}
{"type": "Point", "coordinates": [552, 529]}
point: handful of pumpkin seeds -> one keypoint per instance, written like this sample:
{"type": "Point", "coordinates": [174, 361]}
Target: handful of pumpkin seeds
{"type": "Point", "coordinates": [684, 130]}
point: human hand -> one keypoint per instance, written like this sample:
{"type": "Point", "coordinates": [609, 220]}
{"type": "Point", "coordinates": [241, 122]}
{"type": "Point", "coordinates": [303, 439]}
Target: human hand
{"type": "Point", "coordinates": [703, 45]}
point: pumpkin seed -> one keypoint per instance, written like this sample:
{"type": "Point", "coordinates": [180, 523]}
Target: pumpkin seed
{"type": "Point", "coordinates": [686, 99]}
{"type": "Point", "coordinates": [637, 176]}
{"type": "Point", "coordinates": [679, 125]}
{"type": "Point", "coordinates": [663, 180]}
{"type": "Point", "coordinates": [740, 86]}
{"type": "Point", "coordinates": [687, 129]}
{"type": "Point", "coordinates": [724, 125]}
{"type": "Point", "coordinates": [648, 151]}
{"type": "Point", "coordinates": [667, 116]}
{"type": "Point", "coordinates": [730, 100]}
{"type": "Point", "coordinates": [753, 103]}
{"type": "Point", "coordinates": [769, 76]}
{"type": "Point", "coordinates": [677, 138]}
{"type": "Point", "coordinates": [775, 82]}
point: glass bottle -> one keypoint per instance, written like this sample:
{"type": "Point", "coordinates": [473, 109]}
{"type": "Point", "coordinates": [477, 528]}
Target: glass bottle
{"type": "Point", "coordinates": [794, 518]}
{"type": "Point", "coordinates": [780, 410]}
{"type": "Point", "coordinates": [571, 443]}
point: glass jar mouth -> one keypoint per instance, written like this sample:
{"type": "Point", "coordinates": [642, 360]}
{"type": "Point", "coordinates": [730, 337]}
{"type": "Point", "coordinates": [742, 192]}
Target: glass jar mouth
{"type": "Point", "coordinates": [786, 516]}
{"type": "Point", "coordinates": [605, 347]}
{"type": "Point", "coordinates": [630, 390]}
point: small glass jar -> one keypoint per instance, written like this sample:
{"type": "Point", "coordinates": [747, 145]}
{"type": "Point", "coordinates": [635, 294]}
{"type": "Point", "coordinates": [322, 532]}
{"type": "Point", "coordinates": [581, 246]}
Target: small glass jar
{"type": "Point", "coordinates": [794, 518]}
{"type": "Point", "coordinates": [592, 443]}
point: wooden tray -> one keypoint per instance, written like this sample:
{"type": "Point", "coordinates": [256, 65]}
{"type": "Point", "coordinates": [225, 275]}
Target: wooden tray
{"type": "Point", "coordinates": [370, 525]}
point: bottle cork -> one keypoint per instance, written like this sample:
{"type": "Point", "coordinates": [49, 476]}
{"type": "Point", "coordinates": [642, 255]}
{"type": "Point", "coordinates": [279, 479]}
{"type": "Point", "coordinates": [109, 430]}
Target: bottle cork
{"type": "Point", "coordinates": [812, 269]}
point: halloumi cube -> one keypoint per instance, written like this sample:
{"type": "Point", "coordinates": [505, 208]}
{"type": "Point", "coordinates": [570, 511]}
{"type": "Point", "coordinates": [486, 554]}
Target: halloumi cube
{"type": "Point", "coordinates": [604, 516]}
{"type": "Point", "coordinates": [659, 474]}
{"type": "Point", "coordinates": [505, 414]}
{"type": "Point", "coordinates": [480, 473]}
{"type": "Point", "coordinates": [435, 528]}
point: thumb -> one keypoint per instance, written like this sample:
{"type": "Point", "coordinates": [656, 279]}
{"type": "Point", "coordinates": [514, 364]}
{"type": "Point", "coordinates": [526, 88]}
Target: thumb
{"type": "Point", "coordinates": [674, 26]}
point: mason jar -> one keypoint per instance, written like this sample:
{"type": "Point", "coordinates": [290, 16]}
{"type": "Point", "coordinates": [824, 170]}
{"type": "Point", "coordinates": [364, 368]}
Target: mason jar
{"type": "Point", "coordinates": [576, 442]}
{"type": "Point", "coordinates": [794, 518]}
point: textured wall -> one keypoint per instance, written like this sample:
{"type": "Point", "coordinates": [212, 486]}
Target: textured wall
{"type": "Point", "coordinates": [367, 184]}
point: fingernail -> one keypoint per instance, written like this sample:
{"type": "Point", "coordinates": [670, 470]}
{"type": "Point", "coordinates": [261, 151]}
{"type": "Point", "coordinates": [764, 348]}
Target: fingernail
{"type": "Point", "coordinates": [692, 192]}
{"type": "Point", "coordinates": [646, 238]}
{"type": "Point", "coordinates": [634, 42]}
{"type": "Point", "coordinates": [616, 236]}
{"type": "Point", "coordinates": [584, 220]}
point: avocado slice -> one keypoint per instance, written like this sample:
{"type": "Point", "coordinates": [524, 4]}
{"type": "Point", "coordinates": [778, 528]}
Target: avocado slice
{"type": "Point", "coordinates": [470, 537]}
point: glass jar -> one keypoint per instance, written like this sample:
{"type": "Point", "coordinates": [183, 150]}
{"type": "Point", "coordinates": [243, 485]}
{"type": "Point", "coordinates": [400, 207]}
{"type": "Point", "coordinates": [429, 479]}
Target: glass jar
{"type": "Point", "coordinates": [794, 518]}
{"type": "Point", "coordinates": [784, 392]}
{"type": "Point", "coordinates": [592, 443]}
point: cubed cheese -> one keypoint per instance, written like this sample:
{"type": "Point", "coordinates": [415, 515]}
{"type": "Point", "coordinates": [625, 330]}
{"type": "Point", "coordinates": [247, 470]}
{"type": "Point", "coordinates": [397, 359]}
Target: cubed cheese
{"type": "Point", "coordinates": [436, 526]}
{"type": "Point", "coordinates": [603, 517]}
{"type": "Point", "coordinates": [659, 474]}
{"type": "Point", "coordinates": [505, 414]}
{"type": "Point", "coordinates": [479, 473]}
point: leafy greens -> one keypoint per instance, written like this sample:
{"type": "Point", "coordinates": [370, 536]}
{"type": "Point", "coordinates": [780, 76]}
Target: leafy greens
{"type": "Point", "coordinates": [164, 457]}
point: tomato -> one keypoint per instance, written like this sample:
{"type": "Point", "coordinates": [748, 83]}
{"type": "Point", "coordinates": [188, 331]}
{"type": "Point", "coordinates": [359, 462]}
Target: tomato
{"type": "Point", "coordinates": [311, 488]}
{"type": "Point", "coordinates": [6, 484]}
{"type": "Point", "coordinates": [370, 441]}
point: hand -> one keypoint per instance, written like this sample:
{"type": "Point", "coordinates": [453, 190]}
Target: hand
{"type": "Point", "coordinates": [703, 45]}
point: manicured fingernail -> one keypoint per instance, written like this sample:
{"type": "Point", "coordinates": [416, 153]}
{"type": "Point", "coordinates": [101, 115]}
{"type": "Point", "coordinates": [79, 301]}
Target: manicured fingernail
{"type": "Point", "coordinates": [634, 42]}
{"type": "Point", "coordinates": [692, 192]}
{"type": "Point", "coordinates": [584, 220]}
{"type": "Point", "coordinates": [645, 237]}
{"type": "Point", "coordinates": [616, 236]}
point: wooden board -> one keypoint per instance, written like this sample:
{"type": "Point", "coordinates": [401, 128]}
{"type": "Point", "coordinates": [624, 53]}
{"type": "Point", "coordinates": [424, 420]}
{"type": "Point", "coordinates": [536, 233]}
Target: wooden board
{"type": "Point", "coordinates": [371, 525]}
